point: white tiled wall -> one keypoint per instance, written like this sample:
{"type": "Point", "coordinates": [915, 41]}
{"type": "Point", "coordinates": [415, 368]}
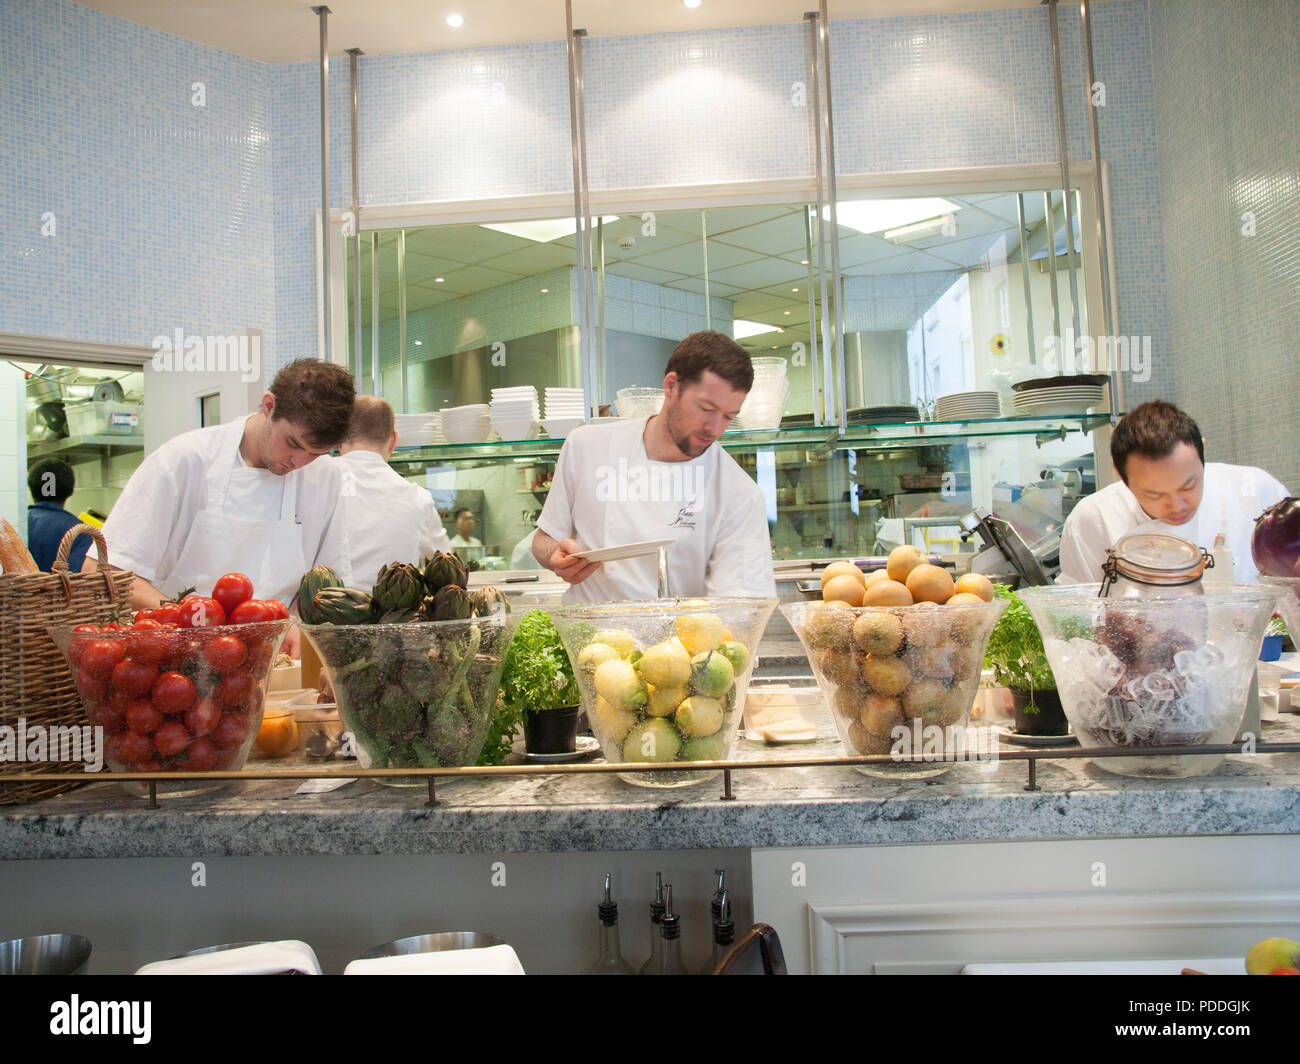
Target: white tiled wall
{"type": "Point", "coordinates": [13, 448]}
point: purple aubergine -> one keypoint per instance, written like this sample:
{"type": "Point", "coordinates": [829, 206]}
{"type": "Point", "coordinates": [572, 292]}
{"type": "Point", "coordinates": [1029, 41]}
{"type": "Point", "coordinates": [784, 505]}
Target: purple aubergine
{"type": "Point", "coordinates": [1275, 546]}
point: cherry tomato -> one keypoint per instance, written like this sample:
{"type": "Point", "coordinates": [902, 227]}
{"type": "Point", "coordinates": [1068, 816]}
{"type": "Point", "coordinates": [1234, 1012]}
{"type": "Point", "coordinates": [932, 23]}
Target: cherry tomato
{"type": "Point", "coordinates": [252, 612]}
{"type": "Point", "coordinates": [151, 764]}
{"type": "Point", "coordinates": [202, 756]}
{"type": "Point", "coordinates": [135, 747]}
{"type": "Point", "coordinates": [101, 657]}
{"type": "Point", "coordinates": [202, 717]}
{"type": "Point", "coordinates": [173, 693]}
{"type": "Point", "coordinates": [115, 626]}
{"type": "Point", "coordinates": [258, 659]}
{"type": "Point", "coordinates": [167, 613]}
{"type": "Point", "coordinates": [87, 628]}
{"type": "Point", "coordinates": [92, 688]}
{"type": "Point", "coordinates": [171, 738]}
{"type": "Point", "coordinates": [198, 611]}
{"type": "Point", "coordinates": [143, 717]}
{"type": "Point", "coordinates": [232, 729]}
{"type": "Point", "coordinates": [225, 653]}
{"type": "Point", "coordinates": [146, 643]}
{"type": "Point", "coordinates": [236, 690]}
{"type": "Point", "coordinates": [131, 677]}
{"type": "Point", "coordinates": [110, 716]}
{"type": "Point", "coordinates": [281, 610]}
{"type": "Point", "coordinates": [231, 590]}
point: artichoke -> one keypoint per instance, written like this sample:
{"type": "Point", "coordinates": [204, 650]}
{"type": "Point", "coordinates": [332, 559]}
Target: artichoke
{"type": "Point", "coordinates": [485, 600]}
{"type": "Point", "coordinates": [342, 605]}
{"type": "Point", "coordinates": [450, 603]}
{"type": "Point", "coordinates": [397, 616]}
{"type": "Point", "coordinates": [312, 584]}
{"type": "Point", "coordinates": [444, 569]}
{"type": "Point", "coordinates": [399, 587]}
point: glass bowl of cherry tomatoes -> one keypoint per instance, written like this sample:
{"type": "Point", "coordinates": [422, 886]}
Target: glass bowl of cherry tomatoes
{"type": "Point", "coordinates": [181, 687]}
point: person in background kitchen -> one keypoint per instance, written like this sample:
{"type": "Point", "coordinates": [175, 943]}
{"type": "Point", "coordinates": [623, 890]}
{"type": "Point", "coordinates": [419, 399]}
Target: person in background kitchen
{"type": "Point", "coordinates": [1166, 486]}
{"type": "Point", "coordinates": [465, 522]}
{"type": "Point", "coordinates": [52, 482]}
{"type": "Point", "coordinates": [248, 497]}
{"type": "Point", "coordinates": [663, 477]}
{"type": "Point", "coordinates": [389, 518]}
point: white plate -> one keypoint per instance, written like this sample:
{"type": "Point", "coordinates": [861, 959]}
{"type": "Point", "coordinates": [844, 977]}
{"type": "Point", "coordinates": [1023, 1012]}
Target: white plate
{"type": "Point", "coordinates": [628, 550]}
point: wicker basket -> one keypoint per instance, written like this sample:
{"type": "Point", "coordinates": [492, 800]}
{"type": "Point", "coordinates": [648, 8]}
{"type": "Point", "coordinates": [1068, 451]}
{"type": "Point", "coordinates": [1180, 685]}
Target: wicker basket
{"type": "Point", "coordinates": [35, 683]}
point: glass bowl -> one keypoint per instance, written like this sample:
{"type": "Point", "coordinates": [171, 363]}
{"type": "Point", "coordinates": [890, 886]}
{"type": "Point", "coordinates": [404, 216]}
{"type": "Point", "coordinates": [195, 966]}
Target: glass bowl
{"type": "Point", "coordinates": [639, 402]}
{"type": "Point", "coordinates": [664, 681]}
{"type": "Point", "coordinates": [898, 679]}
{"type": "Point", "coordinates": [174, 699]}
{"type": "Point", "coordinates": [416, 695]}
{"type": "Point", "coordinates": [1157, 671]}
{"type": "Point", "coordinates": [1288, 601]}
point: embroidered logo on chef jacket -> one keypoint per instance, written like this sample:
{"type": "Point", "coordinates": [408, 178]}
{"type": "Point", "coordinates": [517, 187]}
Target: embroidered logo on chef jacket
{"type": "Point", "coordinates": [685, 517]}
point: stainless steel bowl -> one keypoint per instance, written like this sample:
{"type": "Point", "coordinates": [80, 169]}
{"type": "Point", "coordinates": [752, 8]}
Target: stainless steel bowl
{"type": "Point", "coordinates": [45, 955]}
{"type": "Point", "coordinates": [434, 944]}
{"type": "Point", "coordinates": [213, 949]}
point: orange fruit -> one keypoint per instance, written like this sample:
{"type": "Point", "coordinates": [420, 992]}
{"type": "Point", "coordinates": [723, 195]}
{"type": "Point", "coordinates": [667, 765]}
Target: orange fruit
{"type": "Point", "coordinates": [841, 569]}
{"type": "Point", "coordinates": [876, 577]}
{"type": "Point", "coordinates": [843, 588]}
{"type": "Point", "coordinates": [887, 593]}
{"type": "Point", "coordinates": [965, 598]}
{"type": "Point", "coordinates": [902, 560]}
{"type": "Point", "coordinates": [975, 584]}
{"type": "Point", "coordinates": [929, 583]}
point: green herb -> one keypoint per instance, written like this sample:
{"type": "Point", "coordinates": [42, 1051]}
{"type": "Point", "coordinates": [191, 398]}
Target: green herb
{"type": "Point", "coordinates": [1015, 652]}
{"type": "Point", "coordinates": [537, 674]}
{"type": "Point", "coordinates": [1276, 626]}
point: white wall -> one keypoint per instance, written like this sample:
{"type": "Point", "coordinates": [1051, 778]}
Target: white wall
{"type": "Point", "coordinates": [171, 397]}
{"type": "Point", "coordinates": [13, 448]}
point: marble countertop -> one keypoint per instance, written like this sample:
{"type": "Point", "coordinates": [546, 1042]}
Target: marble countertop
{"type": "Point", "coordinates": [796, 806]}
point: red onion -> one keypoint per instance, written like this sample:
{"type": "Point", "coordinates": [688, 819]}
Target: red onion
{"type": "Point", "coordinates": [1275, 545]}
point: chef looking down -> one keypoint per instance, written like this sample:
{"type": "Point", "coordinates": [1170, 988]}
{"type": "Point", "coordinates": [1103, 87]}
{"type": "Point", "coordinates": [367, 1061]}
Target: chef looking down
{"type": "Point", "coordinates": [663, 477]}
{"type": "Point", "coordinates": [248, 497]}
{"type": "Point", "coordinates": [1166, 486]}
{"type": "Point", "coordinates": [389, 518]}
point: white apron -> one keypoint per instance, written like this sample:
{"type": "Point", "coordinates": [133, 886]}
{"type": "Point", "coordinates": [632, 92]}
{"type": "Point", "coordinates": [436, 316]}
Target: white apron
{"type": "Point", "coordinates": [267, 548]}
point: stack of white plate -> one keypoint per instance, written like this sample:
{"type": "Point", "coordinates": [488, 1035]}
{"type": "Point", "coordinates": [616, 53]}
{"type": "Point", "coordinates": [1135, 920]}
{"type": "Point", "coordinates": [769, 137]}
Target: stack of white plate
{"type": "Point", "coordinates": [438, 435]}
{"type": "Point", "coordinates": [765, 402]}
{"type": "Point", "coordinates": [566, 409]}
{"type": "Point", "coordinates": [414, 430]}
{"type": "Point", "coordinates": [514, 412]}
{"type": "Point", "coordinates": [467, 424]}
{"type": "Point", "coordinates": [967, 406]}
{"type": "Point", "coordinates": [1067, 400]}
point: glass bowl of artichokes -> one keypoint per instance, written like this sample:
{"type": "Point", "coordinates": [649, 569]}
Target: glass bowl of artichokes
{"type": "Point", "coordinates": [415, 663]}
{"type": "Point", "coordinates": [663, 682]}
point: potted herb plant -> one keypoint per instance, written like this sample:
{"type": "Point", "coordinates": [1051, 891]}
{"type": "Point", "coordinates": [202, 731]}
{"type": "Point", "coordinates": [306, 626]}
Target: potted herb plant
{"type": "Point", "coordinates": [1015, 654]}
{"type": "Point", "coordinates": [538, 685]}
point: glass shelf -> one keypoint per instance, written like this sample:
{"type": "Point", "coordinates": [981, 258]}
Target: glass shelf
{"type": "Point", "coordinates": [82, 447]}
{"type": "Point", "coordinates": [865, 437]}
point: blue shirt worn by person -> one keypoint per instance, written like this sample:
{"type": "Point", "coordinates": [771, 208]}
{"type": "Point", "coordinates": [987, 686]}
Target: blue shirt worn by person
{"type": "Point", "coordinates": [46, 524]}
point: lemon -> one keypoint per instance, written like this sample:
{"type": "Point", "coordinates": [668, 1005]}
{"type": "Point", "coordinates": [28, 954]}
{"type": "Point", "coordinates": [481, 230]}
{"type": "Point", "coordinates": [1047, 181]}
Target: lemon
{"type": "Point", "coordinates": [700, 632]}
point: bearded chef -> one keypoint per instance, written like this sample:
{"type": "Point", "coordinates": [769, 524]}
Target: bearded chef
{"type": "Point", "coordinates": [248, 497]}
{"type": "Point", "coordinates": [663, 477]}
{"type": "Point", "coordinates": [389, 518]}
{"type": "Point", "coordinates": [1166, 486]}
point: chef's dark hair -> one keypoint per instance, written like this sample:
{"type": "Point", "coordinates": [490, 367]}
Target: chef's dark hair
{"type": "Point", "coordinates": [713, 351]}
{"type": "Point", "coordinates": [317, 396]}
{"type": "Point", "coordinates": [1152, 430]}
{"type": "Point", "coordinates": [64, 481]}
{"type": "Point", "coordinates": [372, 420]}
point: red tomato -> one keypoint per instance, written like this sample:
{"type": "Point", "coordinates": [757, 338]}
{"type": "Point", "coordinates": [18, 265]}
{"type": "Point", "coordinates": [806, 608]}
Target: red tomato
{"type": "Point", "coordinates": [281, 610]}
{"type": "Point", "coordinates": [202, 717]}
{"type": "Point", "coordinates": [226, 757]}
{"type": "Point", "coordinates": [173, 693]}
{"type": "Point", "coordinates": [232, 729]}
{"type": "Point", "coordinates": [225, 653]}
{"type": "Point", "coordinates": [149, 765]}
{"type": "Point", "coordinates": [200, 612]}
{"type": "Point", "coordinates": [167, 613]}
{"type": "Point", "coordinates": [252, 612]}
{"type": "Point", "coordinates": [101, 657]}
{"type": "Point", "coordinates": [202, 756]}
{"type": "Point", "coordinates": [231, 590]}
{"type": "Point", "coordinates": [142, 717]}
{"type": "Point", "coordinates": [235, 690]}
{"type": "Point", "coordinates": [110, 716]}
{"type": "Point", "coordinates": [146, 643]}
{"type": "Point", "coordinates": [114, 626]}
{"type": "Point", "coordinates": [87, 628]}
{"type": "Point", "coordinates": [92, 688]}
{"type": "Point", "coordinates": [135, 747]}
{"type": "Point", "coordinates": [171, 738]}
{"type": "Point", "coordinates": [258, 659]}
{"type": "Point", "coordinates": [131, 677]}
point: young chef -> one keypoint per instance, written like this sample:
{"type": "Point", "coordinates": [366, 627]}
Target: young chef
{"type": "Point", "coordinates": [248, 497]}
{"type": "Point", "coordinates": [389, 518]}
{"type": "Point", "coordinates": [1166, 486]}
{"type": "Point", "coordinates": [465, 523]}
{"type": "Point", "coordinates": [663, 477]}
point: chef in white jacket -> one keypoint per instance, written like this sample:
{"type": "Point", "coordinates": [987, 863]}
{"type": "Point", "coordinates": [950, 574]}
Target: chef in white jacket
{"type": "Point", "coordinates": [663, 477]}
{"type": "Point", "coordinates": [389, 518]}
{"type": "Point", "coordinates": [1166, 486]}
{"type": "Point", "coordinates": [247, 497]}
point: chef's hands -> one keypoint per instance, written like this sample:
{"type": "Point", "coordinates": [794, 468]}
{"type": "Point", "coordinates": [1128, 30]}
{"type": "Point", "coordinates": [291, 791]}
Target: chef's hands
{"type": "Point", "coordinates": [558, 557]}
{"type": "Point", "coordinates": [292, 643]}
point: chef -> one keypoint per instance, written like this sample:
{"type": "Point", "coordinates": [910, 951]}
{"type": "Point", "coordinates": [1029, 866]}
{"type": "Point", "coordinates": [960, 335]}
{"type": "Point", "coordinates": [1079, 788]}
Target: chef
{"type": "Point", "coordinates": [1166, 486]}
{"type": "Point", "coordinates": [389, 518]}
{"type": "Point", "coordinates": [465, 522]}
{"type": "Point", "coordinates": [247, 497]}
{"type": "Point", "coordinates": [663, 477]}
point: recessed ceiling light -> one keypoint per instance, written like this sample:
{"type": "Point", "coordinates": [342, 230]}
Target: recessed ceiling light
{"type": "Point", "coordinates": [455, 21]}
{"type": "Point", "coordinates": [803, 262]}
{"type": "Point", "coordinates": [691, 3]}
{"type": "Point", "coordinates": [785, 312]}
{"type": "Point", "coordinates": [439, 280]}
{"type": "Point", "coordinates": [794, 289]}
{"type": "Point", "coordinates": [419, 343]}
{"type": "Point", "coordinates": [545, 290]}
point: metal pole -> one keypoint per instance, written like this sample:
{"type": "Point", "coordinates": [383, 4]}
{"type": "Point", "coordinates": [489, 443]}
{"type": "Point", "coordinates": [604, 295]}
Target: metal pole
{"type": "Point", "coordinates": [401, 313]}
{"type": "Point", "coordinates": [838, 317]}
{"type": "Point", "coordinates": [814, 366]}
{"type": "Point", "coordinates": [600, 306]}
{"type": "Point", "coordinates": [589, 282]}
{"type": "Point", "coordinates": [1116, 381]}
{"type": "Point", "coordinates": [1103, 219]}
{"type": "Point", "coordinates": [580, 216]}
{"type": "Point", "coordinates": [1065, 170]}
{"type": "Point", "coordinates": [1049, 218]}
{"type": "Point", "coordinates": [827, 389]}
{"type": "Point", "coordinates": [356, 222]}
{"type": "Point", "coordinates": [704, 247]}
{"type": "Point", "coordinates": [1024, 272]}
{"type": "Point", "coordinates": [323, 13]}
{"type": "Point", "coordinates": [374, 312]}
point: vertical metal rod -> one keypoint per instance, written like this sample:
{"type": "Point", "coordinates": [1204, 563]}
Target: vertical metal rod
{"type": "Point", "coordinates": [727, 795]}
{"type": "Point", "coordinates": [1103, 248]}
{"type": "Point", "coordinates": [572, 42]}
{"type": "Point", "coordinates": [827, 388]}
{"type": "Point", "coordinates": [589, 281]}
{"type": "Point", "coordinates": [1024, 272]}
{"type": "Point", "coordinates": [1049, 218]}
{"type": "Point", "coordinates": [600, 307]}
{"type": "Point", "coordinates": [1116, 381]}
{"type": "Point", "coordinates": [374, 312]}
{"type": "Point", "coordinates": [704, 247]}
{"type": "Point", "coordinates": [837, 294]}
{"type": "Point", "coordinates": [153, 794]}
{"type": "Point", "coordinates": [1065, 170]}
{"type": "Point", "coordinates": [814, 363]}
{"type": "Point", "coordinates": [322, 12]}
{"type": "Point", "coordinates": [401, 314]}
{"type": "Point", "coordinates": [1032, 785]}
{"type": "Point", "coordinates": [433, 792]}
{"type": "Point", "coordinates": [356, 222]}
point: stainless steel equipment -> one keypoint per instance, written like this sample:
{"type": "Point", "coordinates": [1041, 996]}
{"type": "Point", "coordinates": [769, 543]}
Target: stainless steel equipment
{"type": "Point", "coordinates": [434, 944]}
{"type": "Point", "coordinates": [45, 955]}
{"type": "Point", "coordinates": [1005, 549]}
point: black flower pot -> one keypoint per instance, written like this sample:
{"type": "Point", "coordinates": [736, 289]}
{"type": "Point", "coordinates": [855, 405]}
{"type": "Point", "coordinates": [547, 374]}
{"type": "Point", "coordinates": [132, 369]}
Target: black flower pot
{"type": "Point", "coordinates": [1050, 718]}
{"type": "Point", "coordinates": [552, 731]}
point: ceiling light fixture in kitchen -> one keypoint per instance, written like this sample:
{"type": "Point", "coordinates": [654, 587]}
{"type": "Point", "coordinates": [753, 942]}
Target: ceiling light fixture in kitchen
{"type": "Point", "coordinates": [740, 328]}
{"type": "Point", "coordinates": [455, 21]}
{"type": "Point", "coordinates": [439, 280]}
{"type": "Point", "coordinates": [875, 216]}
{"type": "Point", "coordinates": [543, 230]}
{"type": "Point", "coordinates": [920, 230]}
{"type": "Point", "coordinates": [691, 3]}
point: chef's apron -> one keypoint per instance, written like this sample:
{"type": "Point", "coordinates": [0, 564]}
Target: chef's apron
{"type": "Point", "coordinates": [224, 539]}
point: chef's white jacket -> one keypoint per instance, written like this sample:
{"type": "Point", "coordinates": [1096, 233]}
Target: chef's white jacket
{"type": "Point", "coordinates": [389, 518]}
{"type": "Point", "coordinates": [1233, 498]}
{"type": "Point", "coordinates": [607, 493]}
{"type": "Point", "coordinates": [195, 510]}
